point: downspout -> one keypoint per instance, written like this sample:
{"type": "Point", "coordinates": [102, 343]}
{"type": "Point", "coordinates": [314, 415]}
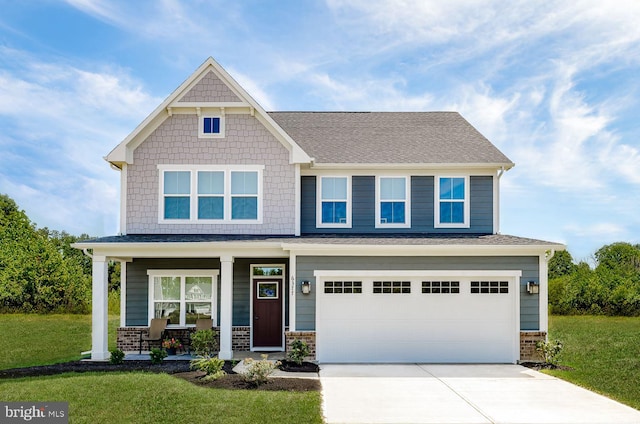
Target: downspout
{"type": "Point", "coordinates": [497, 226]}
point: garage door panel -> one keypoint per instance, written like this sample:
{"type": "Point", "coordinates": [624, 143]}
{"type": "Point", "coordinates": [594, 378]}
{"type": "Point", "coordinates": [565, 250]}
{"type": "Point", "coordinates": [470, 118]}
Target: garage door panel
{"type": "Point", "coordinates": [416, 326]}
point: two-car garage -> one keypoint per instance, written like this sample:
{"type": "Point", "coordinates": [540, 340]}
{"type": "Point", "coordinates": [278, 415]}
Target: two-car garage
{"type": "Point", "coordinates": [417, 316]}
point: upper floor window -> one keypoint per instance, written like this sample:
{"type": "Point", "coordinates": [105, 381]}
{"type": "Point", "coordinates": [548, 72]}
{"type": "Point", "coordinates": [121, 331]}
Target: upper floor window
{"type": "Point", "coordinates": [211, 127]}
{"type": "Point", "coordinates": [452, 202]}
{"type": "Point", "coordinates": [334, 202]}
{"type": "Point", "coordinates": [393, 207]}
{"type": "Point", "coordinates": [210, 194]}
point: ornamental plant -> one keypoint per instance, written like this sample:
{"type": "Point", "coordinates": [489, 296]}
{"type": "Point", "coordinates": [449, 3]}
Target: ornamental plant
{"type": "Point", "coordinates": [171, 343]}
{"type": "Point", "coordinates": [299, 350]}
{"type": "Point", "coordinates": [157, 355]}
{"type": "Point", "coordinates": [117, 357]}
{"type": "Point", "coordinates": [204, 342]}
{"type": "Point", "coordinates": [549, 351]}
{"type": "Point", "coordinates": [258, 372]}
{"type": "Point", "coordinates": [212, 366]}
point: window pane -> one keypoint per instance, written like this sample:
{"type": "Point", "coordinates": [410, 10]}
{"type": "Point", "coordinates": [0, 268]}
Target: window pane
{"type": "Point", "coordinates": [211, 125]}
{"type": "Point", "coordinates": [198, 288]}
{"type": "Point", "coordinates": [457, 188]}
{"type": "Point", "coordinates": [276, 270]}
{"type": "Point", "coordinates": [210, 207]}
{"type": "Point", "coordinates": [334, 188]}
{"type": "Point", "coordinates": [334, 212]}
{"type": "Point", "coordinates": [177, 182]}
{"type": "Point", "coordinates": [452, 212]}
{"type": "Point", "coordinates": [166, 288]}
{"type": "Point", "coordinates": [244, 183]}
{"type": "Point", "coordinates": [210, 182]}
{"type": "Point", "coordinates": [244, 208]}
{"type": "Point", "coordinates": [196, 310]}
{"type": "Point", "coordinates": [392, 189]}
{"type": "Point", "coordinates": [176, 208]}
{"type": "Point", "coordinates": [169, 310]}
{"type": "Point", "coordinates": [392, 212]}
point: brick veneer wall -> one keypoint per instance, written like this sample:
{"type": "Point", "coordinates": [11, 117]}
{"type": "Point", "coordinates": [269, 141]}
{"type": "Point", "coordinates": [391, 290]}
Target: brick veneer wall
{"type": "Point", "coordinates": [309, 337]}
{"type": "Point", "coordinates": [528, 340]}
{"type": "Point", "coordinates": [128, 338]}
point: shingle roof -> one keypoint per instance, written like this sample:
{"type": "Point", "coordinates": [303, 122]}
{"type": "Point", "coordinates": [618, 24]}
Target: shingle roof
{"type": "Point", "coordinates": [342, 239]}
{"type": "Point", "coordinates": [389, 137]}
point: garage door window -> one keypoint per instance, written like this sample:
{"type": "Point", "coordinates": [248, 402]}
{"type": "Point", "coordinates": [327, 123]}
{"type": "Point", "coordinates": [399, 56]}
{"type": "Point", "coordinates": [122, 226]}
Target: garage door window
{"type": "Point", "coordinates": [489, 287]}
{"type": "Point", "coordinates": [441, 287]}
{"type": "Point", "coordinates": [339, 287]}
{"type": "Point", "coordinates": [394, 287]}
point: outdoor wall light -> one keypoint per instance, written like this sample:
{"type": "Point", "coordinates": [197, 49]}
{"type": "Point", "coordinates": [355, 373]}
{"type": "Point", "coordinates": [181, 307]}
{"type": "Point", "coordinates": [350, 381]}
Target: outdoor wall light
{"type": "Point", "coordinates": [306, 287]}
{"type": "Point", "coordinates": [533, 287]}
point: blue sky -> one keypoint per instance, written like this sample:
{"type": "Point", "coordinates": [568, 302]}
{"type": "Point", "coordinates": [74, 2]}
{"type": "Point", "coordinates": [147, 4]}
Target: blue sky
{"type": "Point", "coordinates": [554, 84]}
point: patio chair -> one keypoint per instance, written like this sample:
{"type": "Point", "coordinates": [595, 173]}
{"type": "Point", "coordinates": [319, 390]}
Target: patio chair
{"type": "Point", "coordinates": [156, 332]}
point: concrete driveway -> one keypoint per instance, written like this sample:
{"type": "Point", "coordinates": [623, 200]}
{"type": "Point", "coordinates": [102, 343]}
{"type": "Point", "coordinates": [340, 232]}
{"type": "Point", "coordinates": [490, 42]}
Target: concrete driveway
{"type": "Point", "coordinates": [417, 393]}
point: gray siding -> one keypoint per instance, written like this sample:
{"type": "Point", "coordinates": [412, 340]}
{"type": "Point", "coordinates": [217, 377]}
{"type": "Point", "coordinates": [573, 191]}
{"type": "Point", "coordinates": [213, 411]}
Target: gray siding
{"type": "Point", "coordinates": [422, 207]}
{"type": "Point", "coordinates": [138, 285]}
{"type": "Point", "coordinates": [306, 265]}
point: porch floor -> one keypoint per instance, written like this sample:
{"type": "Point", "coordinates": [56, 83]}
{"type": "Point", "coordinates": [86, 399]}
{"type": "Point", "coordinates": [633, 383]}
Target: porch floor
{"type": "Point", "coordinates": [237, 356]}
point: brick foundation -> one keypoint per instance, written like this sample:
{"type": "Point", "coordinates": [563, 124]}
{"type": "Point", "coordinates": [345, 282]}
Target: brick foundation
{"type": "Point", "coordinates": [128, 338]}
{"type": "Point", "coordinates": [528, 340]}
{"type": "Point", "coordinates": [309, 337]}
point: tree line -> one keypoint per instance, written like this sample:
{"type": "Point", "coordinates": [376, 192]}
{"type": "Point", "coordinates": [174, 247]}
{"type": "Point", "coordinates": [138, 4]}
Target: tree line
{"type": "Point", "coordinates": [612, 287]}
{"type": "Point", "coordinates": [39, 270]}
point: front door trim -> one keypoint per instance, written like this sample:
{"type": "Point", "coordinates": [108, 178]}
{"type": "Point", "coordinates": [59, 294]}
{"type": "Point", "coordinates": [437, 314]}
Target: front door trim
{"type": "Point", "coordinates": [281, 295]}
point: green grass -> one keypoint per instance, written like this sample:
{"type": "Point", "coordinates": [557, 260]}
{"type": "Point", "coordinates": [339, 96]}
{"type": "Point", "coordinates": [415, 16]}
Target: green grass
{"type": "Point", "coordinates": [604, 352]}
{"type": "Point", "coordinates": [160, 398]}
{"type": "Point", "coordinates": [48, 339]}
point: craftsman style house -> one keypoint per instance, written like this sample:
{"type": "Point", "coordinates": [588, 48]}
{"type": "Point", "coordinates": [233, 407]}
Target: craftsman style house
{"type": "Point", "coordinates": [372, 236]}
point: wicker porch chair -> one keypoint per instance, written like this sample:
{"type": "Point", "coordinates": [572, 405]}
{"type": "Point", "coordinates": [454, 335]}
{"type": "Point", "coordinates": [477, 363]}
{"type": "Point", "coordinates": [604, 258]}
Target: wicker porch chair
{"type": "Point", "coordinates": [156, 332]}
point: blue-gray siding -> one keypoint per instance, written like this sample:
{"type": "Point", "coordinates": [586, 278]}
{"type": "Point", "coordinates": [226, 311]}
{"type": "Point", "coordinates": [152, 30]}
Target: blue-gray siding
{"type": "Point", "coordinates": [137, 308]}
{"type": "Point", "coordinates": [422, 207]}
{"type": "Point", "coordinates": [306, 265]}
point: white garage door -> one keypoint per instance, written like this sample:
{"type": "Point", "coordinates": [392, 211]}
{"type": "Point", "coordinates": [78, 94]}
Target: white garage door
{"type": "Point", "coordinates": [417, 316]}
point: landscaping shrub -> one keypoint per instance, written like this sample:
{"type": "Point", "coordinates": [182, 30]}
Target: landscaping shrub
{"type": "Point", "coordinates": [258, 372]}
{"type": "Point", "coordinates": [299, 350]}
{"type": "Point", "coordinates": [157, 355]}
{"type": "Point", "coordinates": [549, 351]}
{"type": "Point", "coordinates": [212, 366]}
{"type": "Point", "coordinates": [117, 357]}
{"type": "Point", "coordinates": [204, 342]}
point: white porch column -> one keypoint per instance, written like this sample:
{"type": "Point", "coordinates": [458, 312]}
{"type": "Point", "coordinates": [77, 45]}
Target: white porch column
{"type": "Point", "coordinates": [226, 306]}
{"type": "Point", "coordinates": [99, 312]}
{"type": "Point", "coordinates": [123, 293]}
{"type": "Point", "coordinates": [543, 293]}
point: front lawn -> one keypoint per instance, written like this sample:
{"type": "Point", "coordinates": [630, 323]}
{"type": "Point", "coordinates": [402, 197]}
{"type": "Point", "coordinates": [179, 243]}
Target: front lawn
{"type": "Point", "coordinates": [48, 339]}
{"type": "Point", "coordinates": [159, 398]}
{"type": "Point", "coordinates": [604, 353]}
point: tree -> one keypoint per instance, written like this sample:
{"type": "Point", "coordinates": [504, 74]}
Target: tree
{"type": "Point", "coordinates": [561, 264]}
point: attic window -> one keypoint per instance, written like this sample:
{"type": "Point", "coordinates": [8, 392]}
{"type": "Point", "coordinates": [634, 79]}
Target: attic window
{"type": "Point", "coordinates": [211, 127]}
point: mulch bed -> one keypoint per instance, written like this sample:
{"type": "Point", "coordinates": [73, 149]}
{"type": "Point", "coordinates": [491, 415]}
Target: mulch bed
{"type": "Point", "coordinates": [179, 369]}
{"type": "Point", "coordinates": [545, 366]}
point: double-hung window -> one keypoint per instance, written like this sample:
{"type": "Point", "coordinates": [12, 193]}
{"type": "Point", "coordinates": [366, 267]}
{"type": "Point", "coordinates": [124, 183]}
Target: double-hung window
{"type": "Point", "coordinates": [452, 202]}
{"type": "Point", "coordinates": [210, 194]}
{"type": "Point", "coordinates": [183, 296]}
{"type": "Point", "coordinates": [334, 202]}
{"type": "Point", "coordinates": [393, 206]}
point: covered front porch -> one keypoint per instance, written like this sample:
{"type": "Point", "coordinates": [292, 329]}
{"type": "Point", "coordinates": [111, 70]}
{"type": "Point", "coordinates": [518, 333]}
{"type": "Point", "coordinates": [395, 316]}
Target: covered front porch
{"type": "Point", "coordinates": [250, 298]}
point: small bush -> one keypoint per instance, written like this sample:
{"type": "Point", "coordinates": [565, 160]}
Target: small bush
{"type": "Point", "coordinates": [157, 355]}
{"type": "Point", "coordinates": [204, 342]}
{"type": "Point", "coordinates": [117, 357]}
{"type": "Point", "coordinates": [549, 351]}
{"type": "Point", "coordinates": [212, 366]}
{"type": "Point", "coordinates": [299, 351]}
{"type": "Point", "coordinates": [258, 372]}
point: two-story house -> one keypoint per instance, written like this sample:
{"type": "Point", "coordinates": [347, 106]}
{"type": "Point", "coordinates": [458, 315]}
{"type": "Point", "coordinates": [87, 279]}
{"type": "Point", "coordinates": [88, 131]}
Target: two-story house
{"type": "Point", "coordinates": [373, 236]}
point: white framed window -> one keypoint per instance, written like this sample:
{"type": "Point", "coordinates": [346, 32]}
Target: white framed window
{"type": "Point", "coordinates": [210, 194]}
{"type": "Point", "coordinates": [333, 205]}
{"type": "Point", "coordinates": [183, 296]}
{"type": "Point", "coordinates": [211, 126]}
{"type": "Point", "coordinates": [452, 206]}
{"type": "Point", "coordinates": [393, 202]}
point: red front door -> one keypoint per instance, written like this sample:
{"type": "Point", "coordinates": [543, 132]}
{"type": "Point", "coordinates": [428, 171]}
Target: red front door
{"type": "Point", "coordinates": [267, 313]}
